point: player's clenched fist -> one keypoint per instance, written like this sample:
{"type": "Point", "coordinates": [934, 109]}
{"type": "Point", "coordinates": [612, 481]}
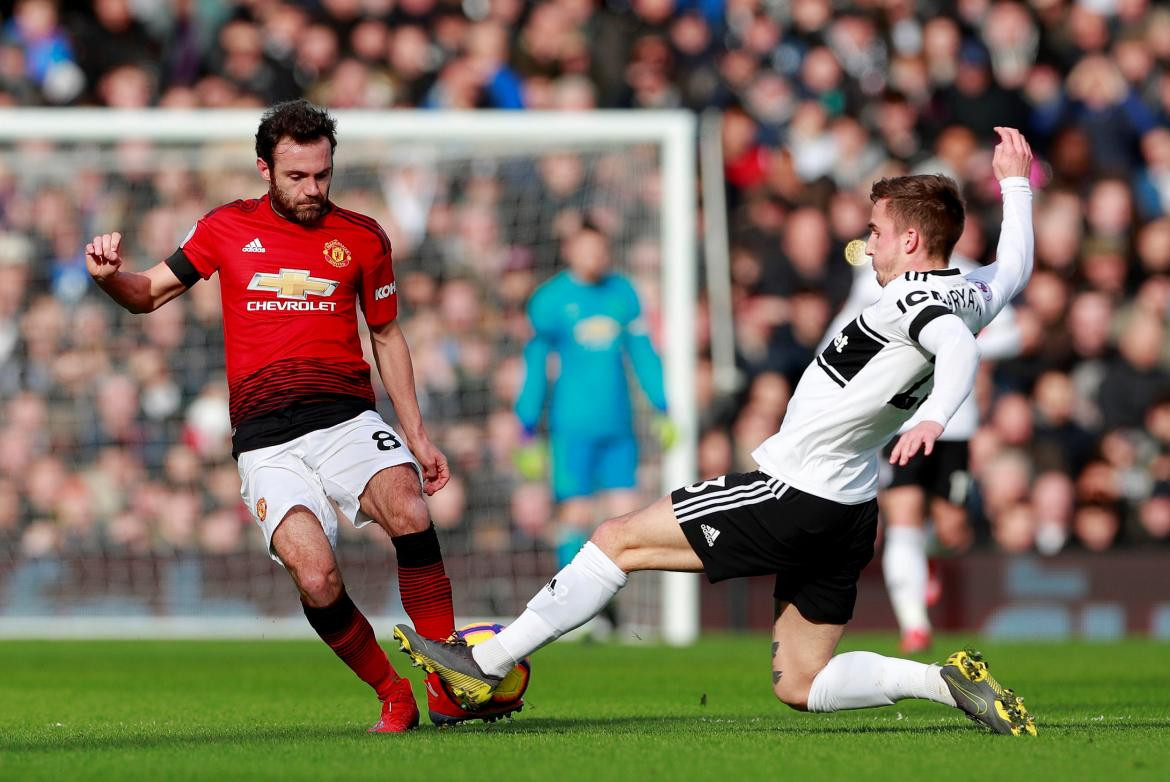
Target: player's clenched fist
{"type": "Point", "coordinates": [103, 257]}
{"type": "Point", "coordinates": [1013, 156]}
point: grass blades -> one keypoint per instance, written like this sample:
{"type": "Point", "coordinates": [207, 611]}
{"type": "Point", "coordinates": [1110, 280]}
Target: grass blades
{"type": "Point", "coordinates": [259, 710]}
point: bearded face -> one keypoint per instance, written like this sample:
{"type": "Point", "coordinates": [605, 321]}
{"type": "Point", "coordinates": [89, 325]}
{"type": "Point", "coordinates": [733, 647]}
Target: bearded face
{"type": "Point", "coordinates": [298, 206]}
{"type": "Point", "coordinates": [299, 179]}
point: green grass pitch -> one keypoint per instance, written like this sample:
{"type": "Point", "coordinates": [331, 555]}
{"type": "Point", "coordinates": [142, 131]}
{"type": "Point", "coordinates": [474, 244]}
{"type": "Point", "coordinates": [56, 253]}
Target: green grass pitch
{"type": "Point", "coordinates": [261, 710]}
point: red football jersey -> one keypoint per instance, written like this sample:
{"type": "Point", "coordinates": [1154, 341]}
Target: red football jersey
{"type": "Point", "coordinates": [290, 295]}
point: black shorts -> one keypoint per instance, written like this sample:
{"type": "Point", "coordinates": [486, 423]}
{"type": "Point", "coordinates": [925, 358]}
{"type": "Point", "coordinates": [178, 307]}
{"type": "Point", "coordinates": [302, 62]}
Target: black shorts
{"type": "Point", "coordinates": [943, 474]}
{"type": "Point", "coordinates": [751, 524]}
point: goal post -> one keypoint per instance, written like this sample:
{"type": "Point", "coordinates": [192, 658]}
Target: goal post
{"type": "Point", "coordinates": [613, 147]}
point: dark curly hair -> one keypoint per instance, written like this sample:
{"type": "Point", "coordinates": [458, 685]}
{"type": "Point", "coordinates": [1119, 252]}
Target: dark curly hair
{"type": "Point", "coordinates": [297, 119]}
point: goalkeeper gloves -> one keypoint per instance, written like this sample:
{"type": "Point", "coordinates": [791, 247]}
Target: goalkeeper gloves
{"type": "Point", "coordinates": [531, 457]}
{"type": "Point", "coordinates": [665, 430]}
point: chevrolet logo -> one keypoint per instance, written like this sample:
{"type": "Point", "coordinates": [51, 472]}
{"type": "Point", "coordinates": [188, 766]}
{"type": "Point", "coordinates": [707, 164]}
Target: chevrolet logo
{"type": "Point", "coordinates": [292, 284]}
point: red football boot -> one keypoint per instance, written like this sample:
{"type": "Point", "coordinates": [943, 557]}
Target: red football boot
{"type": "Point", "coordinates": [445, 711]}
{"type": "Point", "coordinates": [399, 711]}
{"type": "Point", "coordinates": [933, 583]}
{"type": "Point", "coordinates": [916, 641]}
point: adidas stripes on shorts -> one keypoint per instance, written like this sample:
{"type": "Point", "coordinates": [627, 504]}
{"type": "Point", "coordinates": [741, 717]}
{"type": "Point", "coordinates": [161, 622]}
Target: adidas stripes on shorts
{"type": "Point", "coordinates": [751, 524]}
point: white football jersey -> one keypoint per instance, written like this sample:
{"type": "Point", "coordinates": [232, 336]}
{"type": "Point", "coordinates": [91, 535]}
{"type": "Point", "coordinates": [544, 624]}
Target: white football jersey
{"type": "Point", "coordinates": [867, 382]}
{"type": "Point", "coordinates": [1000, 340]}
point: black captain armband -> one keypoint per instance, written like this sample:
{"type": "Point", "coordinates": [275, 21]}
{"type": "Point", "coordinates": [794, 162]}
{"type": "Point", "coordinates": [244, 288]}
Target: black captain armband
{"type": "Point", "coordinates": [926, 316]}
{"type": "Point", "coordinates": [183, 268]}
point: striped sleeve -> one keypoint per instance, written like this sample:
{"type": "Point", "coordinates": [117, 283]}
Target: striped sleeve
{"type": "Point", "coordinates": [915, 304]}
{"type": "Point", "coordinates": [925, 316]}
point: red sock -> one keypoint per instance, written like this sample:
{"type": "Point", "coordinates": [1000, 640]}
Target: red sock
{"type": "Point", "coordinates": [426, 596]}
{"type": "Point", "coordinates": [349, 635]}
{"type": "Point", "coordinates": [423, 584]}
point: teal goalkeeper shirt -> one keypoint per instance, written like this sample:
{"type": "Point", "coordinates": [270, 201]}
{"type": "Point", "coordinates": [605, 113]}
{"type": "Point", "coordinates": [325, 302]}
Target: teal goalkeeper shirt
{"type": "Point", "coordinates": [591, 328]}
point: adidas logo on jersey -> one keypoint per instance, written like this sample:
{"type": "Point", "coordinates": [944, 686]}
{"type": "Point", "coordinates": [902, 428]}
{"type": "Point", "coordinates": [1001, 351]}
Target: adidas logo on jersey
{"type": "Point", "coordinates": [254, 246]}
{"type": "Point", "coordinates": [710, 533]}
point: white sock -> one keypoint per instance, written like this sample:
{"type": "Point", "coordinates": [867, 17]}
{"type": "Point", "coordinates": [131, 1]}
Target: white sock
{"type": "Point", "coordinates": [904, 566]}
{"type": "Point", "coordinates": [860, 680]}
{"type": "Point", "coordinates": [574, 596]}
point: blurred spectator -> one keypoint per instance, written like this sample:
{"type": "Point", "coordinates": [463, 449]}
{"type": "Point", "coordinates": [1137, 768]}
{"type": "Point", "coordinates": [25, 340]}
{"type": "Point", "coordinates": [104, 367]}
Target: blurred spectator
{"type": "Point", "coordinates": [1133, 380]}
{"type": "Point", "coordinates": [1097, 527]}
{"type": "Point", "coordinates": [243, 64]}
{"type": "Point", "coordinates": [804, 262]}
{"type": "Point", "coordinates": [49, 60]}
{"type": "Point", "coordinates": [1155, 515]}
{"type": "Point", "coordinates": [1053, 503]}
{"type": "Point", "coordinates": [110, 37]}
{"type": "Point", "coordinates": [1106, 108]}
{"type": "Point", "coordinates": [1153, 178]}
{"type": "Point", "coordinates": [1058, 441]}
{"type": "Point", "coordinates": [975, 99]}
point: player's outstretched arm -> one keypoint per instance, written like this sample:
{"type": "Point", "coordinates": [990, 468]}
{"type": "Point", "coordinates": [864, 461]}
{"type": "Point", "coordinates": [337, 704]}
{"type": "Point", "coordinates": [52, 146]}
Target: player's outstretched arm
{"type": "Point", "coordinates": [137, 292]}
{"type": "Point", "coordinates": [392, 355]}
{"type": "Point", "coordinates": [1011, 163]}
{"type": "Point", "coordinates": [956, 360]}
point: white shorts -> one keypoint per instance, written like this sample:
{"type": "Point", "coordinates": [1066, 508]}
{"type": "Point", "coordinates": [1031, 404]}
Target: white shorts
{"type": "Point", "coordinates": [319, 469]}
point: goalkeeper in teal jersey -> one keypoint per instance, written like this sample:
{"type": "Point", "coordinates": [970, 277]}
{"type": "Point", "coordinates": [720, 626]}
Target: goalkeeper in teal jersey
{"type": "Point", "coordinates": [591, 318]}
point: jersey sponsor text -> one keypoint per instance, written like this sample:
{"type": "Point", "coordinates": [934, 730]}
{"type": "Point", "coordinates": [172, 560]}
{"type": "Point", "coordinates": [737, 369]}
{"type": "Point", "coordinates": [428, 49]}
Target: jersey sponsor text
{"type": "Point", "coordinates": [384, 292]}
{"type": "Point", "coordinates": [292, 306]}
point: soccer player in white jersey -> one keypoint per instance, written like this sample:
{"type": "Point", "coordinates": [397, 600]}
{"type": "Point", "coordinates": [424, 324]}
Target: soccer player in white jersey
{"type": "Point", "coordinates": [931, 487]}
{"type": "Point", "coordinates": [809, 514]}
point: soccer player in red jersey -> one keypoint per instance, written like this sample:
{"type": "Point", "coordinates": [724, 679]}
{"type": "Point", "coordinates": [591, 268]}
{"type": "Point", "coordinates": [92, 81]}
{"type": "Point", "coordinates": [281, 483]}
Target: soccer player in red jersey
{"type": "Point", "coordinates": [292, 267]}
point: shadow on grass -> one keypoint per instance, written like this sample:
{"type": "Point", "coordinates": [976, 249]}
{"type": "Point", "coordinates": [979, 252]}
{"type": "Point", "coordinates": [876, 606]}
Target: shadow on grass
{"type": "Point", "coordinates": [661, 726]}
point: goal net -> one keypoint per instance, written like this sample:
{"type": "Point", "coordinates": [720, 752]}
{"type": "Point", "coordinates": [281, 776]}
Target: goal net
{"type": "Point", "coordinates": [119, 504]}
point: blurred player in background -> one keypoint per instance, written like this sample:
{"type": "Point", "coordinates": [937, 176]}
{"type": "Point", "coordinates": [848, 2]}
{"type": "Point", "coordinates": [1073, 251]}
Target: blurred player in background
{"type": "Point", "coordinates": [292, 268]}
{"type": "Point", "coordinates": [590, 318]}
{"type": "Point", "coordinates": [932, 486]}
{"type": "Point", "coordinates": [808, 516]}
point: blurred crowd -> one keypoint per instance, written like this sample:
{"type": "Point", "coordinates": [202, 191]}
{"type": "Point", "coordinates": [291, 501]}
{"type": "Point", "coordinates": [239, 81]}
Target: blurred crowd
{"type": "Point", "coordinates": [113, 431]}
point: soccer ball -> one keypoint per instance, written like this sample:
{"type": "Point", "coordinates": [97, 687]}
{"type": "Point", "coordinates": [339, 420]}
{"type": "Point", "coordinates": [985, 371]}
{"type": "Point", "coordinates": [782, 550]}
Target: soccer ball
{"type": "Point", "coordinates": [514, 684]}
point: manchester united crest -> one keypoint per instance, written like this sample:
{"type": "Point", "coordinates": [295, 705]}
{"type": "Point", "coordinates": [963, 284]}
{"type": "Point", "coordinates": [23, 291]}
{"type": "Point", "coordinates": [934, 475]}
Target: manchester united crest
{"type": "Point", "coordinates": [262, 508]}
{"type": "Point", "coordinates": [337, 253]}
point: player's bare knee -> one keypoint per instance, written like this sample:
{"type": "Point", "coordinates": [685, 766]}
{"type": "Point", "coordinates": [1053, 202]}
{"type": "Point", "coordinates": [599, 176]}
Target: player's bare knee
{"type": "Point", "coordinates": [319, 586]}
{"type": "Point", "coordinates": [410, 516]}
{"type": "Point", "coordinates": [610, 536]}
